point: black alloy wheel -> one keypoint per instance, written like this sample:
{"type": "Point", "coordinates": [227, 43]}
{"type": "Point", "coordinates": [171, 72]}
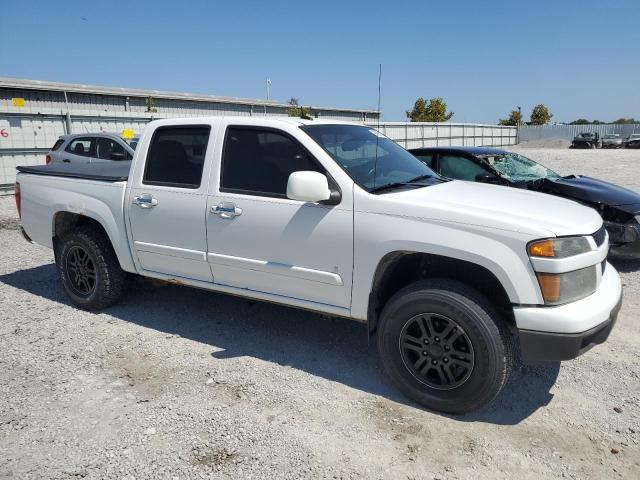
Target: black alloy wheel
{"type": "Point", "coordinates": [437, 351]}
{"type": "Point", "coordinates": [80, 271]}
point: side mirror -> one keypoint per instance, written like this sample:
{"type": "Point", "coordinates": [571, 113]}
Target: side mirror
{"type": "Point", "coordinates": [118, 156]}
{"type": "Point", "coordinates": [308, 187]}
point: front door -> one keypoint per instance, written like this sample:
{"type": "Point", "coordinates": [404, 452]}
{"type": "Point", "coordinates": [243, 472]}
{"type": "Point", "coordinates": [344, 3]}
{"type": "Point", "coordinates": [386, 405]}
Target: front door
{"type": "Point", "coordinates": [168, 203]}
{"type": "Point", "coordinates": [260, 240]}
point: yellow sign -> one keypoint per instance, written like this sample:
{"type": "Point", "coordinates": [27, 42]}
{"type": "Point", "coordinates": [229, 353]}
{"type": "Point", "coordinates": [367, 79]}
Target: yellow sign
{"type": "Point", "coordinates": [18, 102]}
{"type": "Point", "coordinates": [127, 134]}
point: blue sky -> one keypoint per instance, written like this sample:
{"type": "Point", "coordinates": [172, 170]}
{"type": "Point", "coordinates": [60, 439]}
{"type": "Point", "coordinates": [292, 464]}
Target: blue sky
{"type": "Point", "coordinates": [581, 58]}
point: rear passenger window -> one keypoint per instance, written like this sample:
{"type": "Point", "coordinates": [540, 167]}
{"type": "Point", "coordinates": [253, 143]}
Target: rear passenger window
{"type": "Point", "coordinates": [259, 162]}
{"type": "Point", "coordinates": [176, 156]}
{"type": "Point", "coordinates": [56, 145]}
{"type": "Point", "coordinates": [80, 146]}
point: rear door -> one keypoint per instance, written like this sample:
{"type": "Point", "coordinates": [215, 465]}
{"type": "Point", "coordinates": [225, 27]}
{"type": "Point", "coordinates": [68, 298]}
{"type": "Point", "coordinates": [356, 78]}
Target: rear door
{"type": "Point", "coordinates": [167, 203]}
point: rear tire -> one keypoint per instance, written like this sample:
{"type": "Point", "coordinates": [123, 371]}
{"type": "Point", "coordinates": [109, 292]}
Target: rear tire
{"type": "Point", "coordinates": [89, 269]}
{"type": "Point", "coordinates": [444, 346]}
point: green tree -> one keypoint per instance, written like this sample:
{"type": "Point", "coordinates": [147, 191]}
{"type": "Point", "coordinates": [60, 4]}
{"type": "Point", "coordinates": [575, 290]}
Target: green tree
{"type": "Point", "coordinates": [540, 115]}
{"type": "Point", "coordinates": [580, 121]}
{"type": "Point", "coordinates": [150, 104]}
{"type": "Point", "coordinates": [434, 111]}
{"type": "Point", "coordinates": [515, 119]}
{"type": "Point", "coordinates": [626, 120]}
{"type": "Point", "coordinates": [296, 110]}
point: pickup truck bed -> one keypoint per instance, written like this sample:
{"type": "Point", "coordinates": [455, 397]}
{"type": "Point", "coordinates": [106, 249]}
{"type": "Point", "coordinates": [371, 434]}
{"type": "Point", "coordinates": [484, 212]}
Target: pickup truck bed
{"type": "Point", "coordinates": [106, 172]}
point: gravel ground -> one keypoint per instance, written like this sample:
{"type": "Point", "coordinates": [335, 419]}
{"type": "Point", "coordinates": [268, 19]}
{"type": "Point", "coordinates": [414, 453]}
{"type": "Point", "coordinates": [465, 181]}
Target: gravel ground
{"type": "Point", "coordinates": [179, 383]}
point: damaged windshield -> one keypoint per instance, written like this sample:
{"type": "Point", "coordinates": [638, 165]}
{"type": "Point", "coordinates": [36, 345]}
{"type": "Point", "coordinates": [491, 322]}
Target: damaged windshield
{"type": "Point", "coordinates": [517, 168]}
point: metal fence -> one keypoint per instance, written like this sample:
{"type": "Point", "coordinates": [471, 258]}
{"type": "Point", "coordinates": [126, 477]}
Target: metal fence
{"type": "Point", "coordinates": [415, 135]}
{"type": "Point", "coordinates": [539, 132]}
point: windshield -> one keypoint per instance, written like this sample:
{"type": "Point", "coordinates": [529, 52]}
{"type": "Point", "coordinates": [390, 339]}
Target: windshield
{"type": "Point", "coordinates": [354, 148]}
{"type": "Point", "coordinates": [517, 168]}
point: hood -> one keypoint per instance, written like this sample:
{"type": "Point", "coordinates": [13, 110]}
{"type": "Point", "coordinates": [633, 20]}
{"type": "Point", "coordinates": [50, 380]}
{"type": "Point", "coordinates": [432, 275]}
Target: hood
{"type": "Point", "coordinates": [495, 206]}
{"type": "Point", "coordinates": [592, 190]}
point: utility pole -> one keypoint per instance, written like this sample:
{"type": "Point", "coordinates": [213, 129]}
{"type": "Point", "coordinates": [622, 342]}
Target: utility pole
{"type": "Point", "coordinates": [518, 125]}
{"type": "Point", "coordinates": [268, 85]}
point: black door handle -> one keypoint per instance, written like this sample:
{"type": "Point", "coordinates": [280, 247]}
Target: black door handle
{"type": "Point", "coordinates": [66, 160]}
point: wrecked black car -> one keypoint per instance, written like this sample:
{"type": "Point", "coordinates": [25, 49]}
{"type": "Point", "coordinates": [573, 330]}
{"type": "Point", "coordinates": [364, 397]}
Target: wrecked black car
{"type": "Point", "coordinates": [618, 206]}
{"type": "Point", "coordinates": [633, 141]}
{"type": "Point", "coordinates": [585, 140]}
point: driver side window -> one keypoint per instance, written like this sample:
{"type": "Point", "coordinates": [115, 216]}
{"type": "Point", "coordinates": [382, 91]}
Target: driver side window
{"type": "Point", "coordinates": [259, 161]}
{"type": "Point", "coordinates": [460, 168]}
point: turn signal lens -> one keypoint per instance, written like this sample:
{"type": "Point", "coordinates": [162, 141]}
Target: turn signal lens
{"type": "Point", "coordinates": [543, 248]}
{"type": "Point", "coordinates": [561, 247]}
{"type": "Point", "coordinates": [550, 286]}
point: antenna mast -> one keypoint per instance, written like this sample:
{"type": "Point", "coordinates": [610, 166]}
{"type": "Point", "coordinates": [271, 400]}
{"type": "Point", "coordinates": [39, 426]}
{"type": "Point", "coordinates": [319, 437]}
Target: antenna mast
{"type": "Point", "coordinates": [375, 164]}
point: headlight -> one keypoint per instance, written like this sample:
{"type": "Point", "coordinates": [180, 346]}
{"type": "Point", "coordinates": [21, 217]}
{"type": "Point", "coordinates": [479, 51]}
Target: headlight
{"type": "Point", "coordinates": [559, 247]}
{"type": "Point", "coordinates": [559, 288]}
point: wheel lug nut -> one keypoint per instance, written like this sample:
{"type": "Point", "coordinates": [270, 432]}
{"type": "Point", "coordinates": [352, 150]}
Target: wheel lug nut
{"type": "Point", "coordinates": [435, 362]}
{"type": "Point", "coordinates": [424, 353]}
{"type": "Point", "coordinates": [426, 342]}
{"type": "Point", "coordinates": [447, 348]}
{"type": "Point", "coordinates": [437, 339]}
{"type": "Point", "coordinates": [445, 359]}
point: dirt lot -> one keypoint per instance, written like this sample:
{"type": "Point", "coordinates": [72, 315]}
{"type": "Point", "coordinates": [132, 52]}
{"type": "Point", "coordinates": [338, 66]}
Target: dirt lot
{"type": "Point", "coordinates": [180, 383]}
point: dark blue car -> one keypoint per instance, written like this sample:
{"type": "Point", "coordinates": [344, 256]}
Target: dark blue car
{"type": "Point", "coordinates": [619, 207]}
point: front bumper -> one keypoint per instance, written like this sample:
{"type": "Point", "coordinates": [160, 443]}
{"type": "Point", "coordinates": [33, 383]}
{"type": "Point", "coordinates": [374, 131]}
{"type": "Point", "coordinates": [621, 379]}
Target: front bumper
{"type": "Point", "coordinates": [544, 346]}
{"type": "Point", "coordinates": [567, 331]}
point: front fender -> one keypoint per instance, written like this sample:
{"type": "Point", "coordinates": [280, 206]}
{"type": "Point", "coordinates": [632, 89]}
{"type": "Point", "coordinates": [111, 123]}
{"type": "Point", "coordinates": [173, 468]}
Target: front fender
{"type": "Point", "coordinates": [502, 253]}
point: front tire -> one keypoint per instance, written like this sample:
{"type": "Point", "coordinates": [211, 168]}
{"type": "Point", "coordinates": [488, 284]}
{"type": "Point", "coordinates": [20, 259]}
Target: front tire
{"type": "Point", "coordinates": [89, 269]}
{"type": "Point", "coordinates": [444, 346]}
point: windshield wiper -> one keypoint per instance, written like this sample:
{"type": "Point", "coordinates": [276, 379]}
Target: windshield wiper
{"type": "Point", "coordinates": [412, 182]}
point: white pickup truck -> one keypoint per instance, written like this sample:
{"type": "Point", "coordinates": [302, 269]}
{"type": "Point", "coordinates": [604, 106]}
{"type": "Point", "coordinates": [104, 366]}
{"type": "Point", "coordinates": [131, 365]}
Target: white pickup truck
{"type": "Point", "coordinates": [336, 218]}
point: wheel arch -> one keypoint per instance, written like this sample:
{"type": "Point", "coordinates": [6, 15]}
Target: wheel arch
{"type": "Point", "coordinates": [398, 269]}
{"type": "Point", "coordinates": [65, 222]}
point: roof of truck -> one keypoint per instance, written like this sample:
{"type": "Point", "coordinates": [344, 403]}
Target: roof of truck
{"type": "Point", "coordinates": [243, 119]}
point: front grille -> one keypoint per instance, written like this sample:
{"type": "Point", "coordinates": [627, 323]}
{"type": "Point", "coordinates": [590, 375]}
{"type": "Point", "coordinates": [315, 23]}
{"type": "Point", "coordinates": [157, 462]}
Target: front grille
{"type": "Point", "coordinates": [600, 236]}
